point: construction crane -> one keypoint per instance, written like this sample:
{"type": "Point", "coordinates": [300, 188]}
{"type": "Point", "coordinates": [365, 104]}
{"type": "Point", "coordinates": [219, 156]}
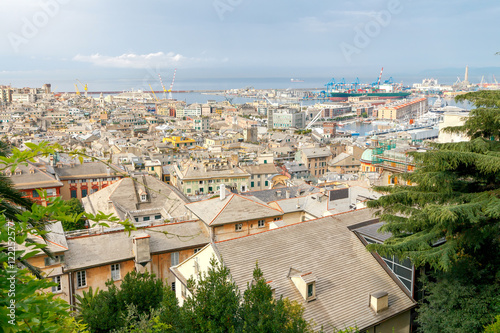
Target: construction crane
{"type": "Point", "coordinates": [171, 85]}
{"type": "Point", "coordinates": [163, 86]}
{"type": "Point", "coordinates": [153, 92]}
{"type": "Point", "coordinates": [84, 87]}
{"type": "Point", "coordinates": [77, 91]}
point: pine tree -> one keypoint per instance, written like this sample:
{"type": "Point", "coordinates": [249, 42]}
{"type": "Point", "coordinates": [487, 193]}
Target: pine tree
{"type": "Point", "coordinates": [454, 210]}
{"type": "Point", "coordinates": [215, 303]}
{"type": "Point", "coordinates": [450, 221]}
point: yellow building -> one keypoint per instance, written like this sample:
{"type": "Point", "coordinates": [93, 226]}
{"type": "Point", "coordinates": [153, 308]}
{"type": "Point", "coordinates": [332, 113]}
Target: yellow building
{"type": "Point", "coordinates": [180, 142]}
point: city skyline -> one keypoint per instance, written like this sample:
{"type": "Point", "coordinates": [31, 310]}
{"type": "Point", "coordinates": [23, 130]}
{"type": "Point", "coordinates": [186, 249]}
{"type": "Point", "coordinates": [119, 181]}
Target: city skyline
{"type": "Point", "coordinates": [60, 40]}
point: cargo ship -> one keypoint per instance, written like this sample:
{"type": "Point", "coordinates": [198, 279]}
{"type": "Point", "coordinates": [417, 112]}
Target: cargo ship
{"type": "Point", "coordinates": [380, 95]}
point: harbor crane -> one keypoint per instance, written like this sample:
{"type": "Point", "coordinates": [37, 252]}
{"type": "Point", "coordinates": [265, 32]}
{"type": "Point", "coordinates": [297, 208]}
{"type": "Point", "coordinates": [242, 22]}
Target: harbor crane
{"type": "Point", "coordinates": [377, 83]}
{"type": "Point", "coordinates": [163, 87]}
{"type": "Point", "coordinates": [172, 85]}
{"type": "Point", "coordinates": [153, 93]}
{"type": "Point", "coordinates": [85, 88]}
{"type": "Point", "coordinates": [389, 81]}
{"type": "Point", "coordinates": [355, 84]}
{"type": "Point", "coordinates": [77, 91]}
{"type": "Point", "coordinates": [339, 84]}
{"type": "Point", "coordinates": [329, 85]}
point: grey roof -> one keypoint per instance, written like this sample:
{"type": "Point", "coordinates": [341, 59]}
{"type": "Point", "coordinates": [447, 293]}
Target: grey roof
{"type": "Point", "coordinates": [197, 171]}
{"type": "Point", "coordinates": [260, 169]}
{"type": "Point", "coordinates": [371, 231]}
{"type": "Point", "coordinates": [31, 177]}
{"type": "Point", "coordinates": [346, 273]}
{"type": "Point", "coordinates": [98, 250]}
{"type": "Point", "coordinates": [97, 169]}
{"type": "Point", "coordinates": [232, 209]}
{"type": "Point", "coordinates": [316, 152]}
{"type": "Point", "coordinates": [272, 194]}
{"type": "Point", "coordinates": [124, 195]}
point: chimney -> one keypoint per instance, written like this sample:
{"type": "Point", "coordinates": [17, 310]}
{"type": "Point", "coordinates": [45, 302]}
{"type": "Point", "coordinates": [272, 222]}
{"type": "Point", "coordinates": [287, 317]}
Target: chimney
{"type": "Point", "coordinates": [142, 253]}
{"type": "Point", "coordinates": [222, 194]}
{"type": "Point", "coordinates": [379, 301]}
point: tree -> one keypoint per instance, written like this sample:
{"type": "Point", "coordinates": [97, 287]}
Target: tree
{"type": "Point", "coordinates": [105, 311]}
{"type": "Point", "coordinates": [262, 313]}
{"type": "Point", "coordinates": [77, 208]}
{"type": "Point", "coordinates": [450, 219]}
{"type": "Point", "coordinates": [24, 306]}
{"type": "Point", "coordinates": [215, 303]}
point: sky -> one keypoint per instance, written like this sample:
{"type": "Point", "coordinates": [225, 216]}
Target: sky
{"type": "Point", "coordinates": [109, 43]}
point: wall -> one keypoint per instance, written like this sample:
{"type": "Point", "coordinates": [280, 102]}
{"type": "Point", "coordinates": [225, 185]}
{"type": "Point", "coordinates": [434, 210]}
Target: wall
{"type": "Point", "coordinates": [398, 324]}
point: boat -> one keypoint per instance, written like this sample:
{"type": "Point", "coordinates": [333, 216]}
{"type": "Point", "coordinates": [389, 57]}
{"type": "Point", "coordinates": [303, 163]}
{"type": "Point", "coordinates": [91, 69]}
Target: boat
{"type": "Point", "coordinates": [296, 80]}
{"type": "Point", "coordinates": [380, 95]}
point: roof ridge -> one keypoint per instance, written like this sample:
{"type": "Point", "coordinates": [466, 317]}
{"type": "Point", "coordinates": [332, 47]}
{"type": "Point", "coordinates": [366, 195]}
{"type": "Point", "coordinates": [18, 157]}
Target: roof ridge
{"type": "Point", "coordinates": [220, 211]}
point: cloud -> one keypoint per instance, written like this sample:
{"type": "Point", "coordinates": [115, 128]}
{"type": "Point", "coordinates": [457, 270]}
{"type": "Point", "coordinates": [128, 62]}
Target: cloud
{"type": "Point", "coordinates": [131, 60]}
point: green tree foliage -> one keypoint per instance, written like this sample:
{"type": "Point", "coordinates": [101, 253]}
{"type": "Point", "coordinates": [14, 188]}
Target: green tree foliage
{"type": "Point", "coordinates": [455, 199]}
{"type": "Point", "coordinates": [449, 220]}
{"type": "Point", "coordinates": [215, 305]}
{"type": "Point", "coordinates": [104, 312]}
{"type": "Point", "coordinates": [76, 207]}
{"type": "Point", "coordinates": [493, 327]}
{"type": "Point", "coordinates": [455, 304]}
{"type": "Point", "coordinates": [261, 313]}
{"type": "Point", "coordinates": [24, 306]}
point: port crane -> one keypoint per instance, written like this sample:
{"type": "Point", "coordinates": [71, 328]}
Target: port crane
{"type": "Point", "coordinates": [77, 91]}
{"type": "Point", "coordinates": [339, 84]}
{"type": "Point", "coordinates": [355, 84]}
{"type": "Point", "coordinates": [389, 81]}
{"type": "Point", "coordinates": [329, 85]}
{"type": "Point", "coordinates": [163, 86]}
{"type": "Point", "coordinates": [377, 82]}
{"type": "Point", "coordinates": [85, 88]}
{"type": "Point", "coordinates": [153, 92]}
{"type": "Point", "coordinates": [172, 85]}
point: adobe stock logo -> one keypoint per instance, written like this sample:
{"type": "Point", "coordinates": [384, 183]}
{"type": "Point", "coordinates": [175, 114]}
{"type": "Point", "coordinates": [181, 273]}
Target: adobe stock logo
{"type": "Point", "coordinates": [223, 6]}
{"type": "Point", "coordinates": [31, 27]}
{"type": "Point", "coordinates": [370, 30]}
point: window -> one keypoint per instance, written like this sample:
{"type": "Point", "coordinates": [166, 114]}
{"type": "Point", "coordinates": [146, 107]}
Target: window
{"type": "Point", "coordinates": [252, 184]}
{"type": "Point", "coordinates": [261, 223]}
{"type": "Point", "coordinates": [145, 218]}
{"type": "Point", "coordinates": [52, 261]}
{"type": "Point", "coordinates": [93, 190]}
{"type": "Point", "coordinates": [94, 179]}
{"type": "Point", "coordinates": [83, 180]}
{"type": "Point", "coordinates": [84, 192]}
{"type": "Point", "coordinates": [115, 272]}
{"type": "Point", "coordinates": [157, 217]}
{"type": "Point", "coordinates": [51, 192]}
{"type": "Point", "coordinates": [238, 227]}
{"type": "Point", "coordinates": [144, 197]}
{"type": "Point", "coordinates": [277, 219]}
{"type": "Point", "coordinates": [72, 181]}
{"type": "Point", "coordinates": [56, 289]}
{"type": "Point", "coordinates": [188, 190]}
{"type": "Point", "coordinates": [136, 219]}
{"type": "Point", "coordinates": [174, 258]}
{"type": "Point", "coordinates": [173, 286]}
{"type": "Point", "coordinates": [35, 194]}
{"type": "Point", "coordinates": [81, 279]}
{"type": "Point", "coordinates": [197, 250]}
{"type": "Point", "coordinates": [310, 290]}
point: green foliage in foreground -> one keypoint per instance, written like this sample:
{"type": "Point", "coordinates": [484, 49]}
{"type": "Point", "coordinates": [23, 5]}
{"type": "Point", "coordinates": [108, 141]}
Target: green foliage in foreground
{"type": "Point", "coordinates": [215, 306]}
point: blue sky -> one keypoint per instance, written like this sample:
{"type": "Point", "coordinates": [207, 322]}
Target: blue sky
{"type": "Point", "coordinates": [107, 40]}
